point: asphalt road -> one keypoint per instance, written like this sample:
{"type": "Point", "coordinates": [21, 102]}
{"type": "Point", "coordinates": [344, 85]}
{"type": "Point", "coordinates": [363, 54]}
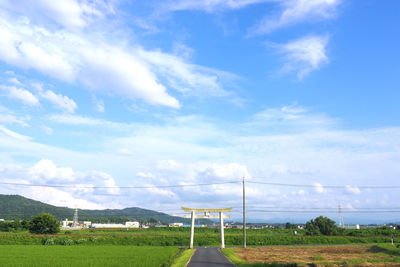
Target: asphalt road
{"type": "Point", "coordinates": [209, 257]}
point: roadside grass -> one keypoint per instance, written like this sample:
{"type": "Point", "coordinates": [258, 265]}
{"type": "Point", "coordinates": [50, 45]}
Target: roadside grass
{"type": "Point", "coordinates": [230, 253]}
{"type": "Point", "coordinates": [21, 255]}
{"type": "Point", "coordinates": [183, 258]}
{"type": "Point", "coordinates": [354, 255]}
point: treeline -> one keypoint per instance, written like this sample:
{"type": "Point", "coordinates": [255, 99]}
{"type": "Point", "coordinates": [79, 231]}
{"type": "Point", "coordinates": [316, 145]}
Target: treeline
{"type": "Point", "coordinates": [14, 226]}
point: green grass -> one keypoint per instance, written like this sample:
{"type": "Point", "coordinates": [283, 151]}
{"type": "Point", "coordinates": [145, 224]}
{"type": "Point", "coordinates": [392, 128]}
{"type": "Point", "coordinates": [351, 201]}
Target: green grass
{"type": "Point", "coordinates": [20, 255]}
{"type": "Point", "coordinates": [180, 237]}
{"type": "Point", "coordinates": [230, 253]}
{"type": "Point", "coordinates": [184, 258]}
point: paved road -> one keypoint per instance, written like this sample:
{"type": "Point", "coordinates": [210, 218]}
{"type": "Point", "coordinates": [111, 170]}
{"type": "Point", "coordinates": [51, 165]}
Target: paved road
{"type": "Point", "coordinates": [209, 257]}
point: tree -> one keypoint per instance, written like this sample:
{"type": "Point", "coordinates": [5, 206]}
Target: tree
{"type": "Point", "coordinates": [289, 225]}
{"type": "Point", "coordinates": [44, 223]}
{"type": "Point", "coordinates": [321, 225]}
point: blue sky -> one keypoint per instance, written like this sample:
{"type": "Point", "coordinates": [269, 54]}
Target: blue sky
{"type": "Point", "coordinates": [133, 93]}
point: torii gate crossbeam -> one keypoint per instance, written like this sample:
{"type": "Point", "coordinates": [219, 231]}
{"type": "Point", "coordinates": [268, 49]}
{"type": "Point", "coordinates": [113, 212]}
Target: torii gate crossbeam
{"type": "Point", "coordinates": [207, 215]}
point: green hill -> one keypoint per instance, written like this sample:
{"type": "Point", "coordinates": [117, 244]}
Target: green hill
{"type": "Point", "coordinates": [18, 207]}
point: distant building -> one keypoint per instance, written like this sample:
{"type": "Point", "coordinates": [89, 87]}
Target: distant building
{"type": "Point", "coordinates": [175, 224]}
{"type": "Point", "coordinates": [351, 226]}
{"type": "Point", "coordinates": [67, 224]}
{"type": "Point", "coordinates": [116, 225]}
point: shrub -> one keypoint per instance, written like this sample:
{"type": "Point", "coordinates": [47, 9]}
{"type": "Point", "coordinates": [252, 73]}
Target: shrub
{"type": "Point", "coordinates": [44, 224]}
{"type": "Point", "coordinates": [48, 241]}
{"type": "Point", "coordinates": [66, 242]}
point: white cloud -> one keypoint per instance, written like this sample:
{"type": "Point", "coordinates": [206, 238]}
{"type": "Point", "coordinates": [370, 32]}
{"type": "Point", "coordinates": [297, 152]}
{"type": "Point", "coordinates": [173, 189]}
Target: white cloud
{"type": "Point", "coordinates": [233, 171]}
{"type": "Point", "coordinates": [15, 81]}
{"type": "Point", "coordinates": [58, 100]}
{"type": "Point", "coordinates": [211, 5]}
{"type": "Point", "coordinates": [293, 116]}
{"type": "Point", "coordinates": [319, 188]}
{"type": "Point", "coordinates": [24, 46]}
{"type": "Point", "coordinates": [68, 13]}
{"type": "Point", "coordinates": [305, 55]}
{"type": "Point", "coordinates": [14, 135]}
{"type": "Point", "coordinates": [220, 151]}
{"type": "Point", "coordinates": [145, 175]}
{"type": "Point", "coordinates": [8, 117]}
{"type": "Point", "coordinates": [98, 103]}
{"type": "Point", "coordinates": [21, 94]}
{"type": "Point", "coordinates": [47, 130]}
{"type": "Point", "coordinates": [187, 78]}
{"type": "Point", "coordinates": [88, 121]}
{"type": "Point", "coordinates": [46, 172]}
{"type": "Point", "coordinates": [125, 152]}
{"type": "Point", "coordinates": [101, 65]}
{"type": "Point", "coordinates": [353, 189]}
{"type": "Point", "coordinates": [295, 11]}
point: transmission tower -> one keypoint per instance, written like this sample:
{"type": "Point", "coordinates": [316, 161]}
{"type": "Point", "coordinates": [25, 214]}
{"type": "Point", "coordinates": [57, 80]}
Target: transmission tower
{"type": "Point", "coordinates": [75, 222]}
{"type": "Point", "coordinates": [341, 223]}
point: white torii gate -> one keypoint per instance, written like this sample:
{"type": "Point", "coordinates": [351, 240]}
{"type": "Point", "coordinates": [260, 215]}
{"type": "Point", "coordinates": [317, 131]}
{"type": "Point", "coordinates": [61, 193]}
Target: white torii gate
{"type": "Point", "coordinates": [207, 215]}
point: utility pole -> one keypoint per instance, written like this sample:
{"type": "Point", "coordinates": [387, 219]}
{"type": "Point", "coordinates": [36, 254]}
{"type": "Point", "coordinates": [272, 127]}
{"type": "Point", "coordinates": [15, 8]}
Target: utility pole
{"type": "Point", "coordinates": [244, 215]}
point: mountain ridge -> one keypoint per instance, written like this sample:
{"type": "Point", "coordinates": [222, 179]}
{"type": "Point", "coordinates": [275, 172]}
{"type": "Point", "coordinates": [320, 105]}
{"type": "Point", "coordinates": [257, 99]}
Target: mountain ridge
{"type": "Point", "coordinates": [19, 207]}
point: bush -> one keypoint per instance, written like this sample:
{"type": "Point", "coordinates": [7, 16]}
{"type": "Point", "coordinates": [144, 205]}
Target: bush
{"type": "Point", "coordinates": [48, 241]}
{"type": "Point", "coordinates": [66, 242]}
{"type": "Point", "coordinates": [321, 225]}
{"type": "Point", "coordinates": [44, 224]}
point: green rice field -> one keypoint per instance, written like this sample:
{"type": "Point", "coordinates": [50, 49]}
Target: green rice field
{"type": "Point", "coordinates": [113, 255]}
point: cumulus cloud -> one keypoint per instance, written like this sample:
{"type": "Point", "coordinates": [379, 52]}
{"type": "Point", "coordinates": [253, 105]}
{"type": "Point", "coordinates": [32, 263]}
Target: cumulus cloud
{"type": "Point", "coordinates": [295, 11]}
{"type": "Point", "coordinates": [59, 101]}
{"type": "Point", "coordinates": [22, 95]}
{"type": "Point", "coordinates": [322, 155]}
{"type": "Point", "coordinates": [45, 172]}
{"type": "Point", "coordinates": [305, 55]}
{"type": "Point", "coordinates": [319, 188]}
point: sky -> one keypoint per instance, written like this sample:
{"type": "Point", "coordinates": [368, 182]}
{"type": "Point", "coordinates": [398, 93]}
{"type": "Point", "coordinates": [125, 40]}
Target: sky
{"type": "Point", "coordinates": [97, 95]}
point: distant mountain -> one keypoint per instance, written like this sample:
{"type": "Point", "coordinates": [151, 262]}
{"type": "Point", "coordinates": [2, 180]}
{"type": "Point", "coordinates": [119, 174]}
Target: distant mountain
{"type": "Point", "coordinates": [18, 207]}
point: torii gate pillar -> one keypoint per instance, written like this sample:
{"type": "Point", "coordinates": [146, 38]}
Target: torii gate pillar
{"type": "Point", "coordinates": [221, 217]}
{"type": "Point", "coordinates": [221, 222]}
{"type": "Point", "coordinates": [192, 229]}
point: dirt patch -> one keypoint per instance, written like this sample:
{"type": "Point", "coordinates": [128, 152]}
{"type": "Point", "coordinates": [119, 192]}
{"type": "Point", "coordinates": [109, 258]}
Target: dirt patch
{"type": "Point", "coordinates": [318, 255]}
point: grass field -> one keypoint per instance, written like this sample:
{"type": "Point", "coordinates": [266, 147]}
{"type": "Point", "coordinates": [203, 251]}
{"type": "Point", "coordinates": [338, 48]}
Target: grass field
{"type": "Point", "coordinates": [20, 255]}
{"type": "Point", "coordinates": [359, 255]}
{"type": "Point", "coordinates": [180, 237]}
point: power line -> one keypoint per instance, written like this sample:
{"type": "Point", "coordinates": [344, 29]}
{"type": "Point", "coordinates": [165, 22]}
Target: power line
{"type": "Point", "coordinates": [326, 211]}
{"type": "Point", "coordinates": [207, 184]}
{"type": "Point", "coordinates": [329, 186]}
{"type": "Point", "coordinates": [323, 208]}
{"type": "Point", "coordinates": [116, 187]}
